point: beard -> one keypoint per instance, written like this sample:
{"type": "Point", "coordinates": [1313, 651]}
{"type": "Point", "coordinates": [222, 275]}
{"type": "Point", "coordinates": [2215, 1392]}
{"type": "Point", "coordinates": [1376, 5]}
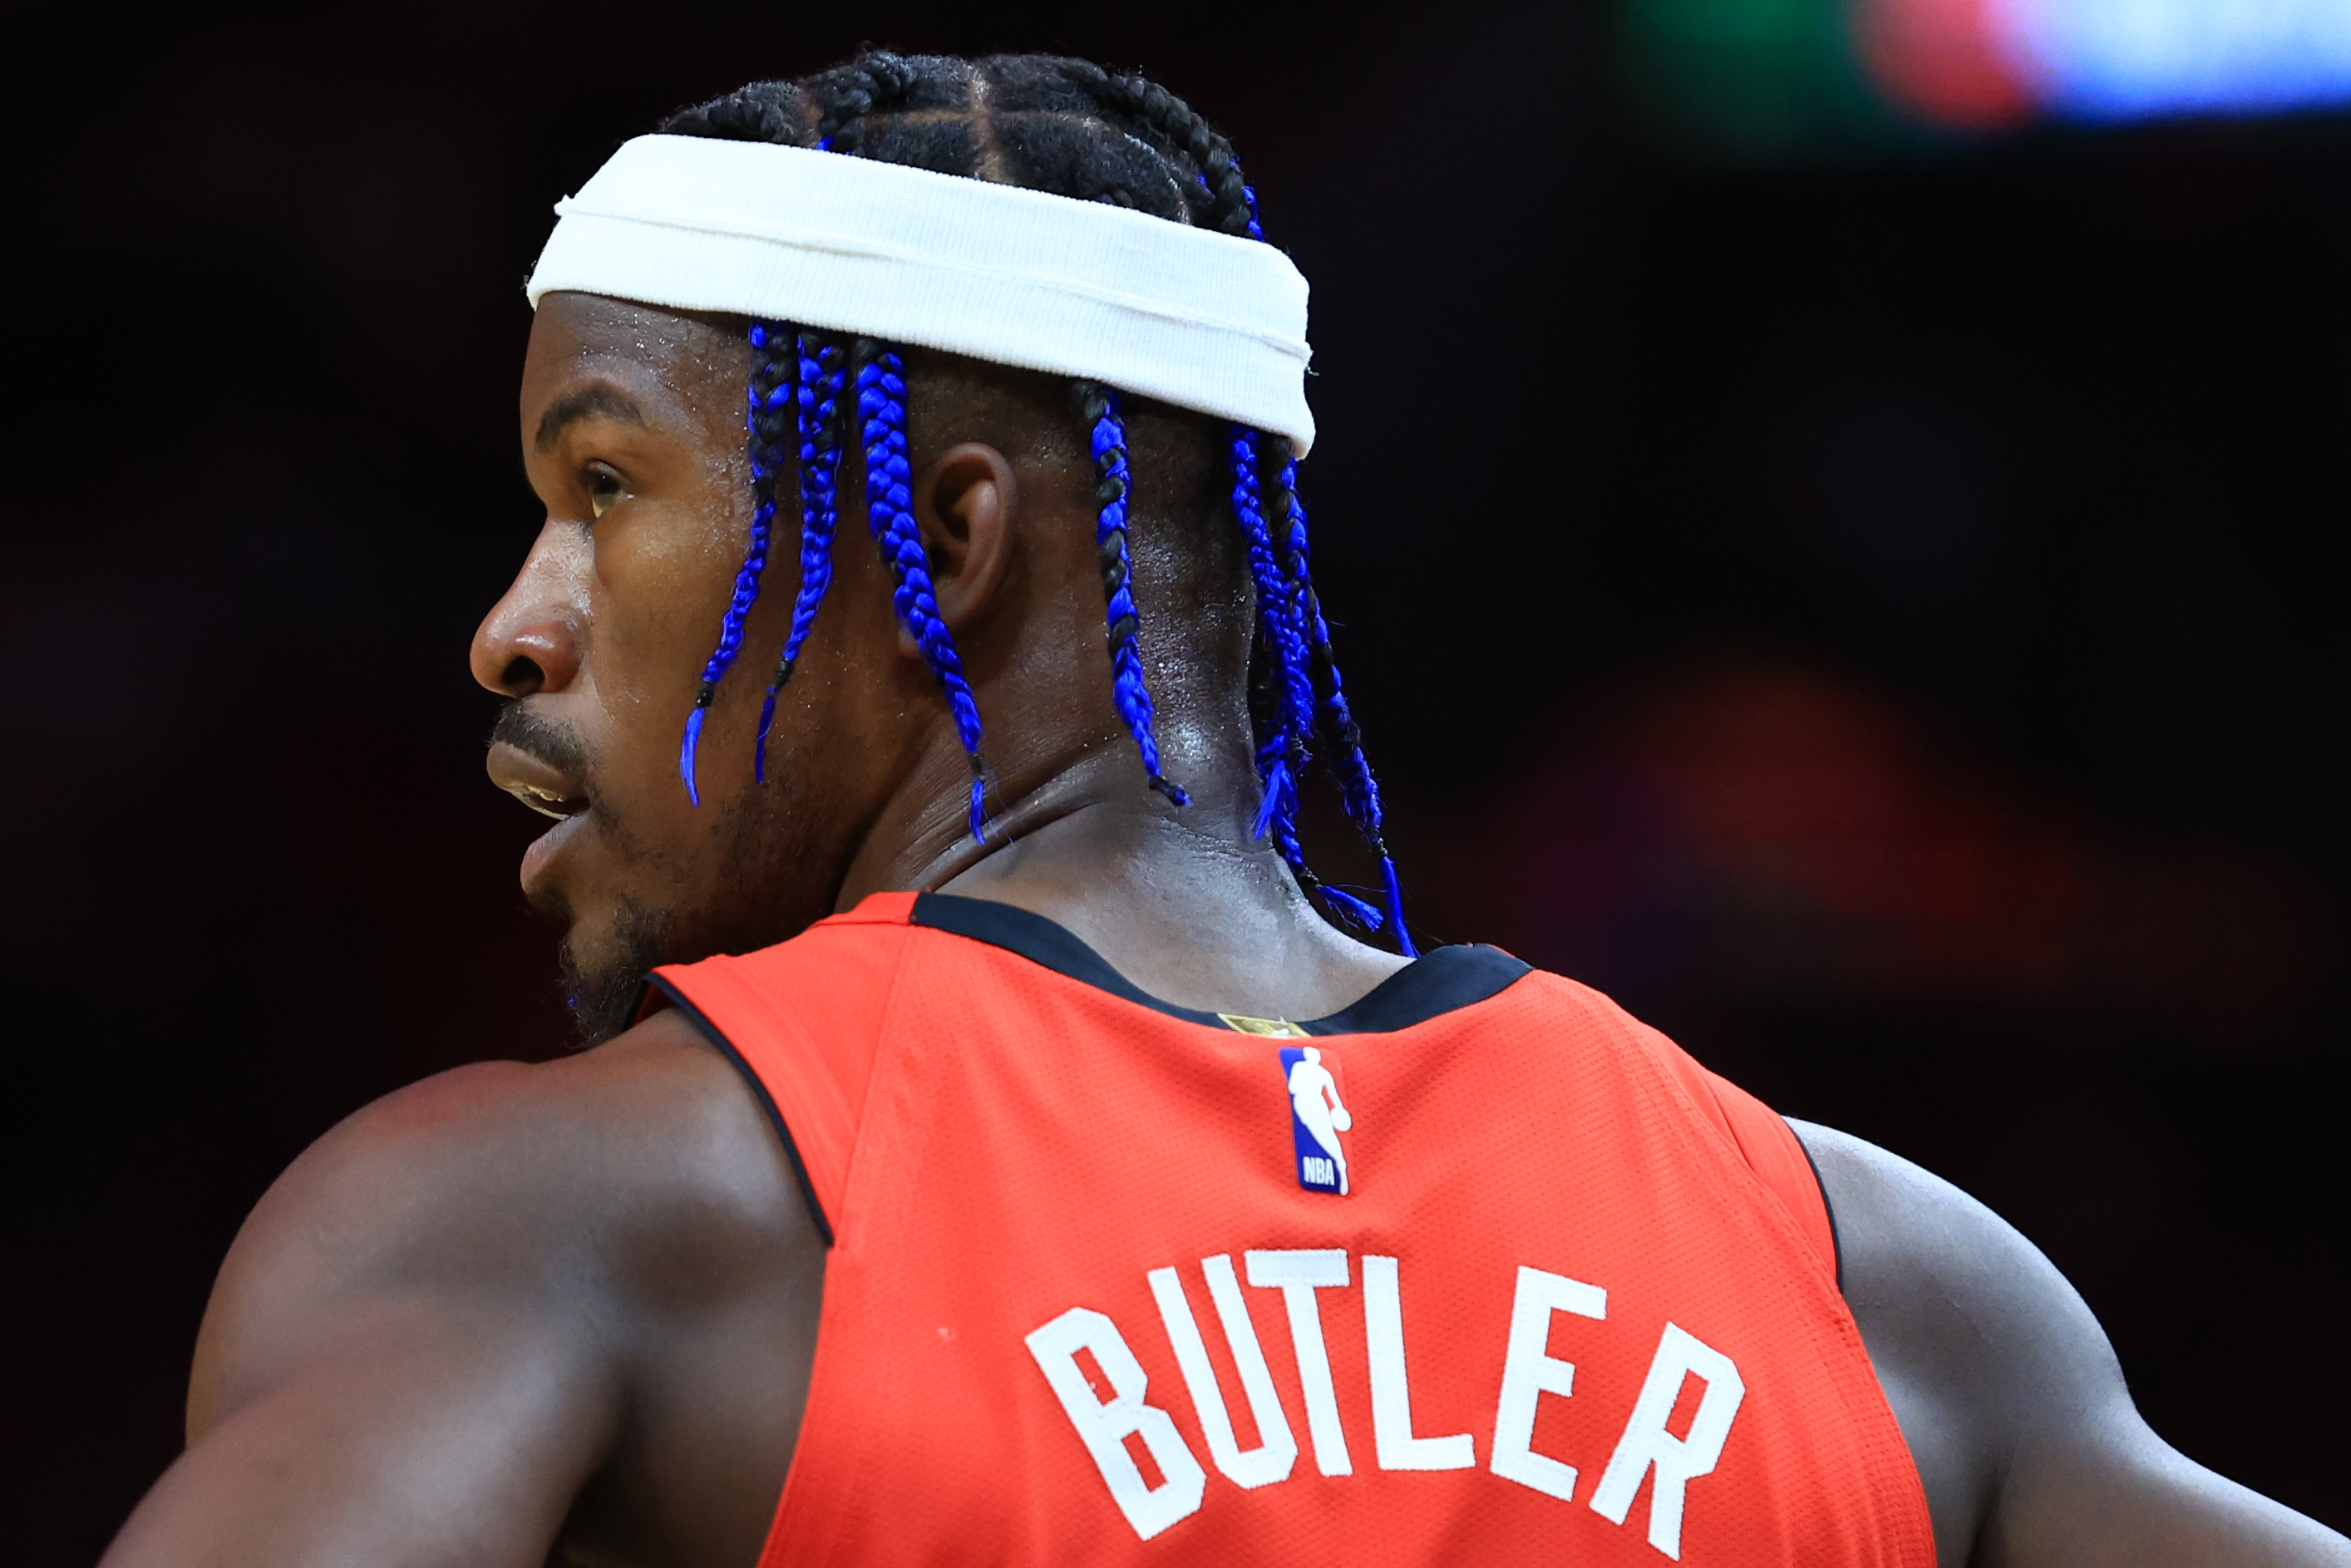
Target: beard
{"type": "Point", "coordinates": [671, 913]}
{"type": "Point", "coordinates": [603, 993]}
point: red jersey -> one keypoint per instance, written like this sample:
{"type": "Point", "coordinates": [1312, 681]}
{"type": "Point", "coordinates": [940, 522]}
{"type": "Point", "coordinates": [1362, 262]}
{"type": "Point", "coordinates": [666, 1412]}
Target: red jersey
{"type": "Point", "coordinates": [1478, 1271]}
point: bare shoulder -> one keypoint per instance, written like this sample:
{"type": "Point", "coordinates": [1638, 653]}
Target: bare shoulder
{"type": "Point", "coordinates": [561, 1189]}
{"type": "Point", "coordinates": [2010, 1394]}
{"type": "Point", "coordinates": [444, 1325]}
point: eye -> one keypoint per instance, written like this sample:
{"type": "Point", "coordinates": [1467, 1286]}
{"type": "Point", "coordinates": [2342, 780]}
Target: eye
{"type": "Point", "coordinates": [604, 490]}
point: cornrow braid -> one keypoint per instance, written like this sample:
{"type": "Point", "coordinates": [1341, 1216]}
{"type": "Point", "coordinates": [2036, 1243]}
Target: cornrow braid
{"type": "Point", "coordinates": [889, 513]}
{"type": "Point", "coordinates": [872, 82]}
{"type": "Point", "coordinates": [769, 395]}
{"type": "Point", "coordinates": [760, 111]}
{"type": "Point", "coordinates": [1098, 407]}
{"type": "Point", "coordinates": [1358, 788]}
{"type": "Point", "coordinates": [820, 374]}
{"type": "Point", "coordinates": [1182, 129]}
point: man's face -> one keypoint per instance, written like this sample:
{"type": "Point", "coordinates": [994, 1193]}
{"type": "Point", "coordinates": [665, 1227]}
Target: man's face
{"type": "Point", "coordinates": [632, 434]}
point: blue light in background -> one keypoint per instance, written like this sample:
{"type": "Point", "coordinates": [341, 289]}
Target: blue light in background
{"type": "Point", "coordinates": [2129, 60]}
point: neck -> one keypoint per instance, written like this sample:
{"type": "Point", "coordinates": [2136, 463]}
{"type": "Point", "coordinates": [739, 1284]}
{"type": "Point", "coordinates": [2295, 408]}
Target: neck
{"type": "Point", "coordinates": [1183, 902]}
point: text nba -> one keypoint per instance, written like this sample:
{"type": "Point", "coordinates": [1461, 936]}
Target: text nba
{"type": "Point", "coordinates": [1528, 1372]}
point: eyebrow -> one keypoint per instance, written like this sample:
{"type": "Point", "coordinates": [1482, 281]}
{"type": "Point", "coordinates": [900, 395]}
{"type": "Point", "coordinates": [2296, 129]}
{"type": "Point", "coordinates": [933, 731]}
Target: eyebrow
{"type": "Point", "coordinates": [598, 400]}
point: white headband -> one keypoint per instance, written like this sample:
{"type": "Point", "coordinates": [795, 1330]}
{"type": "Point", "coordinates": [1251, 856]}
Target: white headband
{"type": "Point", "coordinates": [1203, 320]}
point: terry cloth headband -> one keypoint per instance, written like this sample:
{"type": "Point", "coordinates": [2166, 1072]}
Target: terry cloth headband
{"type": "Point", "coordinates": [1203, 320]}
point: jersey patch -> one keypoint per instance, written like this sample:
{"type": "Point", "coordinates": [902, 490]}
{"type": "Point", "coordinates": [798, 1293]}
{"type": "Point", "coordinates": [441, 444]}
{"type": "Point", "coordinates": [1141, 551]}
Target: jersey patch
{"type": "Point", "coordinates": [1317, 1116]}
{"type": "Point", "coordinates": [1280, 1029]}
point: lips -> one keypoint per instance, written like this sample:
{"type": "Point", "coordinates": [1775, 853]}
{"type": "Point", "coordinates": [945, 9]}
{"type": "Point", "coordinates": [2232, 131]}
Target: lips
{"type": "Point", "coordinates": [551, 792]}
{"type": "Point", "coordinates": [539, 785]}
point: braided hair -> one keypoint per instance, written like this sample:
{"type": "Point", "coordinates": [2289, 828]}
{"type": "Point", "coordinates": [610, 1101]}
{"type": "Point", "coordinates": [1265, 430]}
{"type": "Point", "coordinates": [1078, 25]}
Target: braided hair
{"type": "Point", "coordinates": [820, 376]}
{"type": "Point", "coordinates": [1107, 432]}
{"type": "Point", "coordinates": [768, 397]}
{"type": "Point", "coordinates": [1073, 129]}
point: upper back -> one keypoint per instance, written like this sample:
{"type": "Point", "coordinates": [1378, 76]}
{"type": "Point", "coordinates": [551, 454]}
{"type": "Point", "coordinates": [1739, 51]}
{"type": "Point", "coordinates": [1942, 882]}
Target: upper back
{"type": "Point", "coordinates": [1110, 1279]}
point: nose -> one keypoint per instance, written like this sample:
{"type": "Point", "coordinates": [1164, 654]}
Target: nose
{"type": "Point", "coordinates": [529, 642]}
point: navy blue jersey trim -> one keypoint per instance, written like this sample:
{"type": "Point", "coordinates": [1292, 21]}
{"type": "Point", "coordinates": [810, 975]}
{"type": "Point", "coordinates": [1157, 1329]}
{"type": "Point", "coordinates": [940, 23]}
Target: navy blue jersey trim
{"type": "Point", "coordinates": [759, 1092]}
{"type": "Point", "coordinates": [1435, 983]}
{"type": "Point", "coordinates": [1837, 1238]}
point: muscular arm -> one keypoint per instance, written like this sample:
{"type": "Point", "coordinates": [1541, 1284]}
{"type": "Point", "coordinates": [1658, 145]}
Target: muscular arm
{"type": "Point", "coordinates": [2014, 1406]}
{"type": "Point", "coordinates": [479, 1299]}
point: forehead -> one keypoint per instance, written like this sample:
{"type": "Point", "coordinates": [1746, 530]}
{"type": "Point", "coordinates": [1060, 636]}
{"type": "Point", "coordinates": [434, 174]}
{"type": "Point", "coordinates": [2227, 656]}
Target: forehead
{"type": "Point", "coordinates": [679, 363]}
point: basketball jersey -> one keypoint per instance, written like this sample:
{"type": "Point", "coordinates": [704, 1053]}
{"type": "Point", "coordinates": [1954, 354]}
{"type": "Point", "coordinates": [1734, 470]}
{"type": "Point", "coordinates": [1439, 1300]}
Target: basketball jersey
{"type": "Point", "coordinates": [1479, 1269]}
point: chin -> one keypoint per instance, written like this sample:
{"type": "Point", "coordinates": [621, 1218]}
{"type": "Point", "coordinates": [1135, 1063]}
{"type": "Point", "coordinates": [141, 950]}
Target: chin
{"type": "Point", "coordinates": [605, 969]}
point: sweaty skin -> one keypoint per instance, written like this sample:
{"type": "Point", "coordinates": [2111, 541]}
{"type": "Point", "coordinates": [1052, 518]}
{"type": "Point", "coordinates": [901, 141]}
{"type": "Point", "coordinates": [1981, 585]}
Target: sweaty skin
{"type": "Point", "coordinates": [515, 1316]}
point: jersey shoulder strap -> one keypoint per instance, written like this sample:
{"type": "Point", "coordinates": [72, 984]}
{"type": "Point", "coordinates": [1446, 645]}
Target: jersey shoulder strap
{"type": "Point", "coordinates": [1762, 1139]}
{"type": "Point", "coordinates": [802, 1021]}
{"type": "Point", "coordinates": [1770, 1146]}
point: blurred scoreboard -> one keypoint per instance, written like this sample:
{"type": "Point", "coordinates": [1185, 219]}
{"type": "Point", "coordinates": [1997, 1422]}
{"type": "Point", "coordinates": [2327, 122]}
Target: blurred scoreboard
{"type": "Point", "coordinates": [1780, 75]}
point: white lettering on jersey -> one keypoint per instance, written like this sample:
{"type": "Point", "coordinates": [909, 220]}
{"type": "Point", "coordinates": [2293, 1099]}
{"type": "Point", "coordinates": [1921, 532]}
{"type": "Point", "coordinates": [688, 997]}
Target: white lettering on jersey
{"type": "Point", "coordinates": [1529, 1372]}
{"type": "Point", "coordinates": [1104, 1427]}
{"type": "Point", "coordinates": [1298, 1275]}
{"type": "Point", "coordinates": [1277, 1450]}
{"type": "Point", "coordinates": [1391, 1393]}
{"type": "Point", "coordinates": [1647, 1442]}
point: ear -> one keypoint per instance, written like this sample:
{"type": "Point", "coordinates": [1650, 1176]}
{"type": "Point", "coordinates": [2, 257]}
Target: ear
{"type": "Point", "coordinates": [964, 504]}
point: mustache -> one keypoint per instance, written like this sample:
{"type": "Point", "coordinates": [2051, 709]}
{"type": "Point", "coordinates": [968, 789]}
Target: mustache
{"type": "Point", "coordinates": [560, 745]}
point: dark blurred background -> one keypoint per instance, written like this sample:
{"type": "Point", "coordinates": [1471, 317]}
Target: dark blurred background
{"type": "Point", "coordinates": [1855, 589]}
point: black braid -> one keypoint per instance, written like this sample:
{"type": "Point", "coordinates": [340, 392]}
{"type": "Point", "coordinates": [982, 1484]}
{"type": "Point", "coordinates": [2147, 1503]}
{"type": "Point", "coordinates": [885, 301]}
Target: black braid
{"type": "Point", "coordinates": [763, 111]}
{"type": "Point", "coordinates": [1063, 126]}
{"type": "Point", "coordinates": [1122, 622]}
{"type": "Point", "coordinates": [870, 84]}
{"type": "Point", "coordinates": [1184, 130]}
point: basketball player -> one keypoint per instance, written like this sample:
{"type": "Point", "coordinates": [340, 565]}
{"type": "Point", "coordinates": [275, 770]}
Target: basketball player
{"type": "Point", "coordinates": [944, 1197]}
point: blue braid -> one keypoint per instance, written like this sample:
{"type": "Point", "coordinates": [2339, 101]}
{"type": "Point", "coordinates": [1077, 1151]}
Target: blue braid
{"type": "Point", "coordinates": [816, 387]}
{"type": "Point", "coordinates": [889, 513]}
{"type": "Point", "coordinates": [1359, 788]}
{"type": "Point", "coordinates": [1123, 623]}
{"type": "Point", "coordinates": [1282, 758]}
{"type": "Point", "coordinates": [769, 395]}
{"type": "Point", "coordinates": [1288, 611]}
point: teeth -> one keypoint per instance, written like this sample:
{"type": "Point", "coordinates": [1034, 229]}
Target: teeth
{"type": "Point", "coordinates": [544, 801]}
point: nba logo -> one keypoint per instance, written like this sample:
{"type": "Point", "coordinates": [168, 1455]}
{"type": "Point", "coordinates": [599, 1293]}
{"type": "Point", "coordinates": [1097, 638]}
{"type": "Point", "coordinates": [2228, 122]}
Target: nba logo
{"type": "Point", "coordinates": [1317, 1117]}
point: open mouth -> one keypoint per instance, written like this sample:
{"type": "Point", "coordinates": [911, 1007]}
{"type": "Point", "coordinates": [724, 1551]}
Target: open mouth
{"type": "Point", "coordinates": [537, 784]}
{"type": "Point", "coordinates": [546, 802]}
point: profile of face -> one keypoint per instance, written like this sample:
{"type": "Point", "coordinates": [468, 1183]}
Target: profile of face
{"type": "Point", "coordinates": [633, 437]}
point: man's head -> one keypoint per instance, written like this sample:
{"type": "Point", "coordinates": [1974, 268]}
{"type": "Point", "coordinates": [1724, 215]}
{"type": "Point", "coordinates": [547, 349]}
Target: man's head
{"type": "Point", "coordinates": [1061, 570]}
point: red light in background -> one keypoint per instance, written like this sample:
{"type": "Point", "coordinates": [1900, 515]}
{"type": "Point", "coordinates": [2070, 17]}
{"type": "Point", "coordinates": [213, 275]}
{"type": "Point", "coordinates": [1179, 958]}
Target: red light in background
{"type": "Point", "coordinates": [1766, 831]}
{"type": "Point", "coordinates": [1940, 60]}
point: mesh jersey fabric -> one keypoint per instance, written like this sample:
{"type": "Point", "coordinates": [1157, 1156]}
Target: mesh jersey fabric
{"type": "Point", "coordinates": [1492, 1269]}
